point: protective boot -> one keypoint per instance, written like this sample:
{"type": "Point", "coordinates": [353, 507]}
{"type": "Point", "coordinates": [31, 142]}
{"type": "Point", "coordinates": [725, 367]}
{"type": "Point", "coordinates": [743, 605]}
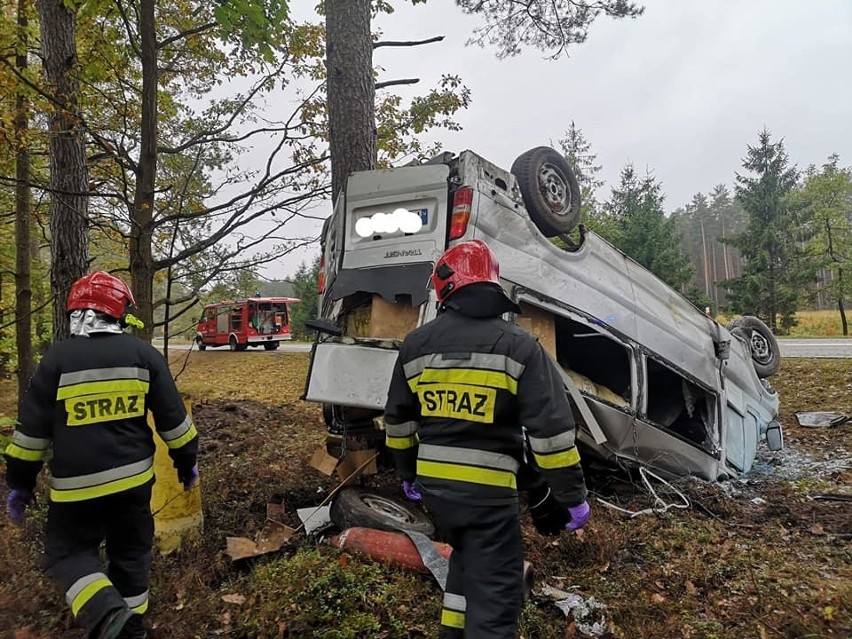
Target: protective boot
{"type": "Point", "coordinates": [112, 624]}
{"type": "Point", "coordinates": [134, 628]}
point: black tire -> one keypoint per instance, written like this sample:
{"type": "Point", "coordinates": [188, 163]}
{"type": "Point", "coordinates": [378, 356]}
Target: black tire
{"type": "Point", "coordinates": [202, 346]}
{"type": "Point", "coordinates": [232, 343]}
{"type": "Point", "coordinates": [550, 190]}
{"type": "Point", "coordinates": [270, 346]}
{"type": "Point", "coordinates": [765, 353]}
{"type": "Point", "coordinates": [734, 323]}
{"type": "Point", "coordinates": [362, 507]}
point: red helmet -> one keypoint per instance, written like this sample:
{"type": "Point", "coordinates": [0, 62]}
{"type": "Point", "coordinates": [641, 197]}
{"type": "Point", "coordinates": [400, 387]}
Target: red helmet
{"type": "Point", "coordinates": [470, 262]}
{"type": "Point", "coordinates": [102, 292]}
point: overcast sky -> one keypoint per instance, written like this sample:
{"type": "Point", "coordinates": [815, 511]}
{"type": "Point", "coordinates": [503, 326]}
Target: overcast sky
{"type": "Point", "coordinates": [681, 91]}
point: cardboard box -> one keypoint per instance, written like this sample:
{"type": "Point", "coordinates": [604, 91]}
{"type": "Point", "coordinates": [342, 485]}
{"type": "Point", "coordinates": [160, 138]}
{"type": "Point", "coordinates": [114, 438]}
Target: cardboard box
{"type": "Point", "coordinates": [381, 319]}
{"type": "Point", "coordinates": [541, 324]}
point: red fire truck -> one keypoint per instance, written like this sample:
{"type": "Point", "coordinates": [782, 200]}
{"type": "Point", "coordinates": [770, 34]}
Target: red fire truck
{"type": "Point", "coordinates": [256, 321]}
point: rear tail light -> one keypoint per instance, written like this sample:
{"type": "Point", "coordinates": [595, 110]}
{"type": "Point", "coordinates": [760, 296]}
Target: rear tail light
{"type": "Point", "coordinates": [462, 201]}
{"type": "Point", "coordinates": [321, 276]}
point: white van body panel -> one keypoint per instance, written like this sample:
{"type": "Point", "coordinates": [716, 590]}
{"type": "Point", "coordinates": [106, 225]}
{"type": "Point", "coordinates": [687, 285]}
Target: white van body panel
{"type": "Point", "coordinates": [596, 288]}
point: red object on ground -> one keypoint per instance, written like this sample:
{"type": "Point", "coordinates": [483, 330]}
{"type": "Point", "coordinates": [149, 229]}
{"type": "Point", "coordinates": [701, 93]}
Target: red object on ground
{"type": "Point", "coordinates": [394, 549]}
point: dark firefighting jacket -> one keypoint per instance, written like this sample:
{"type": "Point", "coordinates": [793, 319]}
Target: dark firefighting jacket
{"type": "Point", "coordinates": [87, 404]}
{"type": "Point", "coordinates": [461, 392]}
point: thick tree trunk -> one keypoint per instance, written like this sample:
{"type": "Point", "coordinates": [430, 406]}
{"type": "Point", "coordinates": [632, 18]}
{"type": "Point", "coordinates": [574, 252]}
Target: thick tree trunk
{"type": "Point", "coordinates": [69, 182]}
{"type": "Point", "coordinates": [350, 87]}
{"type": "Point", "coordinates": [142, 215]}
{"type": "Point", "coordinates": [23, 234]}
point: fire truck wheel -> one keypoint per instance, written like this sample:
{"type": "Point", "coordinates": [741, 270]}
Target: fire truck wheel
{"type": "Point", "coordinates": [232, 343]}
{"type": "Point", "coordinates": [356, 506]}
{"type": "Point", "coordinates": [270, 346]}
{"type": "Point", "coordinates": [202, 346]}
{"type": "Point", "coordinates": [550, 190]}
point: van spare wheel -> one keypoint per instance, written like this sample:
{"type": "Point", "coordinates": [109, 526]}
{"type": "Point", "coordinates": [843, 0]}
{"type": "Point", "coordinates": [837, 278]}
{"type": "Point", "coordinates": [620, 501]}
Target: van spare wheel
{"type": "Point", "coordinates": [355, 506]}
{"type": "Point", "coordinates": [765, 354]}
{"type": "Point", "coordinates": [550, 190]}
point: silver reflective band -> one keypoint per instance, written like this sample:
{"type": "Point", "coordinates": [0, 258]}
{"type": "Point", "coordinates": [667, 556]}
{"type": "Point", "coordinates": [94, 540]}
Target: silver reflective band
{"type": "Point", "coordinates": [455, 602]}
{"type": "Point", "coordinates": [80, 584]}
{"type": "Point", "coordinates": [138, 600]}
{"type": "Point", "coordinates": [480, 361]}
{"type": "Point", "coordinates": [30, 443]}
{"type": "Point", "coordinates": [405, 429]}
{"type": "Point", "coordinates": [104, 374]}
{"type": "Point", "coordinates": [468, 457]}
{"type": "Point", "coordinates": [544, 445]}
{"type": "Point", "coordinates": [178, 431]}
{"type": "Point", "coordinates": [103, 477]}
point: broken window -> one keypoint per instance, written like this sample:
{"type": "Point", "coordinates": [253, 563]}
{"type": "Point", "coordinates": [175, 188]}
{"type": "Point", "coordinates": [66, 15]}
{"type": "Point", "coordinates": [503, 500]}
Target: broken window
{"type": "Point", "coordinates": [680, 406]}
{"type": "Point", "coordinates": [596, 362]}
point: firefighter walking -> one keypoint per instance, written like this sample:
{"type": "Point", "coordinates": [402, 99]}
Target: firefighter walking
{"type": "Point", "coordinates": [464, 389]}
{"type": "Point", "coordinates": [87, 403]}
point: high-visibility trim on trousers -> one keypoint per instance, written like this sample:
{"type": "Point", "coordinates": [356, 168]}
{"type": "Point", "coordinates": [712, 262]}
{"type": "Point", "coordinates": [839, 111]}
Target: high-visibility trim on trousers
{"type": "Point", "coordinates": [453, 610]}
{"type": "Point", "coordinates": [79, 594]}
{"type": "Point", "coordinates": [106, 482]}
{"type": "Point", "coordinates": [138, 604]}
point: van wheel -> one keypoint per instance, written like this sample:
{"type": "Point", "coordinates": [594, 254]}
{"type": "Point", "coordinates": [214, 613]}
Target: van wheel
{"type": "Point", "coordinates": [550, 190]}
{"type": "Point", "coordinates": [232, 343]}
{"type": "Point", "coordinates": [356, 506]}
{"type": "Point", "coordinates": [765, 354]}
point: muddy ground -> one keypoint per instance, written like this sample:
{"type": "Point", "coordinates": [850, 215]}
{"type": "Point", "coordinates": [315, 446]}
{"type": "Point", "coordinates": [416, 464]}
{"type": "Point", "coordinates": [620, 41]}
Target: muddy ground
{"type": "Point", "coordinates": [766, 556]}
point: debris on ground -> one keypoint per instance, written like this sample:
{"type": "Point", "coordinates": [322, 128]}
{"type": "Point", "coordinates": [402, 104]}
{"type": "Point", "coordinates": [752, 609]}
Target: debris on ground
{"type": "Point", "coordinates": [586, 612]}
{"type": "Point", "coordinates": [821, 419]}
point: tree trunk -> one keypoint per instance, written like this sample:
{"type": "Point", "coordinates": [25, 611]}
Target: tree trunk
{"type": "Point", "coordinates": [351, 90]}
{"type": "Point", "coordinates": [142, 215]}
{"type": "Point", "coordinates": [840, 307]}
{"type": "Point", "coordinates": [23, 228]}
{"type": "Point", "coordinates": [69, 182]}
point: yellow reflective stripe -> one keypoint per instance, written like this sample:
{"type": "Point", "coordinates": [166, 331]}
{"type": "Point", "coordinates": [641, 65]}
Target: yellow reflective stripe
{"type": "Point", "coordinates": [412, 383]}
{"type": "Point", "coordinates": [472, 474]}
{"type": "Point", "coordinates": [183, 439]}
{"type": "Point", "coordinates": [562, 459]}
{"type": "Point", "coordinates": [87, 593]}
{"type": "Point", "coordinates": [469, 377]}
{"type": "Point", "coordinates": [401, 443]}
{"type": "Point", "coordinates": [93, 388]}
{"type": "Point", "coordinates": [109, 488]}
{"type": "Point", "coordinates": [141, 609]}
{"type": "Point", "coordinates": [452, 618]}
{"type": "Point", "coordinates": [25, 454]}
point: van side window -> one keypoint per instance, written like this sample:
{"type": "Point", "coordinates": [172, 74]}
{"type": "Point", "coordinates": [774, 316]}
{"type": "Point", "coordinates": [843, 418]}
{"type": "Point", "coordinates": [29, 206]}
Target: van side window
{"type": "Point", "coordinates": [598, 364]}
{"type": "Point", "coordinates": [681, 406]}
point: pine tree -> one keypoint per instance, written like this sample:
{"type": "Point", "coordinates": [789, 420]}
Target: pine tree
{"type": "Point", "coordinates": [643, 231]}
{"type": "Point", "coordinates": [578, 153]}
{"type": "Point", "coordinates": [305, 283]}
{"type": "Point", "coordinates": [775, 270]}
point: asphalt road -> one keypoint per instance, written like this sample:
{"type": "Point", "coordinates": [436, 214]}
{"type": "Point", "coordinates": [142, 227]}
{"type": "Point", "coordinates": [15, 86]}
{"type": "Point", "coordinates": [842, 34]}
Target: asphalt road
{"type": "Point", "coordinates": [818, 348]}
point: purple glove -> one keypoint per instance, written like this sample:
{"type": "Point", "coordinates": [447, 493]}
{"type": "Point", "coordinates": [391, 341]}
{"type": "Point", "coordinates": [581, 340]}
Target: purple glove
{"type": "Point", "coordinates": [16, 505]}
{"type": "Point", "coordinates": [190, 479]}
{"type": "Point", "coordinates": [579, 516]}
{"type": "Point", "coordinates": [410, 491]}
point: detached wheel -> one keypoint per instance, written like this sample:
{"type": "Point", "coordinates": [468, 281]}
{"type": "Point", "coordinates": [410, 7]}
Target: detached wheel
{"type": "Point", "coordinates": [765, 353]}
{"type": "Point", "coordinates": [550, 190]}
{"type": "Point", "coordinates": [232, 343]}
{"type": "Point", "coordinates": [355, 506]}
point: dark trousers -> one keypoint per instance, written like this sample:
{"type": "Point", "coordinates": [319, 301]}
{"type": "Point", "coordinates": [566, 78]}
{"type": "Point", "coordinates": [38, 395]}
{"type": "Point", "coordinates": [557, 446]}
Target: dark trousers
{"type": "Point", "coordinates": [75, 531]}
{"type": "Point", "coordinates": [485, 582]}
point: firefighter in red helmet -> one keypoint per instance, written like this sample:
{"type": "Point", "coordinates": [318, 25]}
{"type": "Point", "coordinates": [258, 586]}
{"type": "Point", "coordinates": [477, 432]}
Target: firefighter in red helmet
{"type": "Point", "coordinates": [87, 403]}
{"type": "Point", "coordinates": [466, 388]}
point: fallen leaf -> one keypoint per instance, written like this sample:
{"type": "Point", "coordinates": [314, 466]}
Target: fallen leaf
{"type": "Point", "coordinates": [657, 598]}
{"type": "Point", "coordinates": [817, 529]}
{"type": "Point", "coordinates": [690, 588]}
{"type": "Point", "coordinates": [234, 599]}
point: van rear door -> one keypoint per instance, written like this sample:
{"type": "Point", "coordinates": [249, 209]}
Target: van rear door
{"type": "Point", "coordinates": [394, 229]}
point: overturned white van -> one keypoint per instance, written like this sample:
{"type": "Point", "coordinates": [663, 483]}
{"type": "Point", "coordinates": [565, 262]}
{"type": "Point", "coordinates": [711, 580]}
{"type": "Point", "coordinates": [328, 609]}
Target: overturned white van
{"type": "Point", "coordinates": [653, 381]}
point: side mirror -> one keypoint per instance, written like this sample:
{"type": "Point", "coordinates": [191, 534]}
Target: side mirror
{"type": "Point", "coordinates": [774, 436]}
